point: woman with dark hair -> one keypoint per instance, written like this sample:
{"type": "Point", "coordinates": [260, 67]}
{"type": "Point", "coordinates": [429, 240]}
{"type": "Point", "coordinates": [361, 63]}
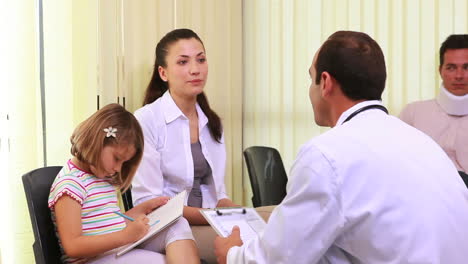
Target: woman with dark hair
{"type": "Point", "coordinates": [184, 144]}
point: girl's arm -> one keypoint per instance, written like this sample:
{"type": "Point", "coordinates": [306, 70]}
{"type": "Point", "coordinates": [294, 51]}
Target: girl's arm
{"type": "Point", "coordinates": [76, 245]}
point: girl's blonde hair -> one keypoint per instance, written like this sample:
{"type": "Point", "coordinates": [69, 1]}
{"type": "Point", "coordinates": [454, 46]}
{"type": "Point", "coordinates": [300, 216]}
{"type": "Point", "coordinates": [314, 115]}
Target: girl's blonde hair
{"type": "Point", "coordinates": [89, 138]}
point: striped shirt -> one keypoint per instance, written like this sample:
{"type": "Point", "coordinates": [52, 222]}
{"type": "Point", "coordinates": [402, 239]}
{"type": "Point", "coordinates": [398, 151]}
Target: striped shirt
{"type": "Point", "coordinates": [98, 200]}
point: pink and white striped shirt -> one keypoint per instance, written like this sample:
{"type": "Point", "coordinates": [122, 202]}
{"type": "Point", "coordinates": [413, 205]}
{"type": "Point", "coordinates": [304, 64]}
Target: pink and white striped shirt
{"type": "Point", "coordinates": [97, 197]}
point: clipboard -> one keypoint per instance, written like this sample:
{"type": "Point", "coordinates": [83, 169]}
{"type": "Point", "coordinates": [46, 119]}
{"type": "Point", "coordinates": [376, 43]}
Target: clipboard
{"type": "Point", "coordinates": [250, 223]}
{"type": "Point", "coordinates": [159, 219]}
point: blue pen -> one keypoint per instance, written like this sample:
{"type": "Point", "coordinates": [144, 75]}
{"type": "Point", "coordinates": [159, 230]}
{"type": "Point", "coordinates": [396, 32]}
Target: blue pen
{"type": "Point", "coordinates": [124, 216]}
{"type": "Point", "coordinates": [155, 222]}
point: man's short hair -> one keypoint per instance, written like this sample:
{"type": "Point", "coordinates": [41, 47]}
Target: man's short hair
{"type": "Point", "coordinates": [356, 61]}
{"type": "Point", "coordinates": [454, 41]}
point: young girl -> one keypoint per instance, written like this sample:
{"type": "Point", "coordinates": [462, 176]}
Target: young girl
{"type": "Point", "coordinates": [106, 149]}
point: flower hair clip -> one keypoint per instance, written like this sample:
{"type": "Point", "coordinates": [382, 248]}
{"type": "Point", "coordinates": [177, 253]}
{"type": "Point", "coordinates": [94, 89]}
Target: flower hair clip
{"type": "Point", "coordinates": [111, 132]}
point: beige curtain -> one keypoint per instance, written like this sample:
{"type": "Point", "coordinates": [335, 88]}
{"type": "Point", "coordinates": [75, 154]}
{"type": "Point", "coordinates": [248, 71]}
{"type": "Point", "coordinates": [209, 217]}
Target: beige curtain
{"type": "Point", "coordinates": [20, 146]}
{"type": "Point", "coordinates": [281, 37]}
{"type": "Point", "coordinates": [69, 96]}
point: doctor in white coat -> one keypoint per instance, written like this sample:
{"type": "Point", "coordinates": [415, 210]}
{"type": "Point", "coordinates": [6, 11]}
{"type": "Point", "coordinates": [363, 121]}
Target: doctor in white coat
{"type": "Point", "coordinates": [370, 190]}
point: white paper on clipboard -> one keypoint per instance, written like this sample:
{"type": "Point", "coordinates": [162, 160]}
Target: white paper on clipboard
{"type": "Point", "coordinates": [224, 219]}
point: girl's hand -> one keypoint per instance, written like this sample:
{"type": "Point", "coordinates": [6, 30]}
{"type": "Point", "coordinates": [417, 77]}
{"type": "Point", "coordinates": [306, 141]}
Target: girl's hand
{"type": "Point", "coordinates": [147, 206]}
{"type": "Point", "coordinates": [137, 229]}
{"type": "Point", "coordinates": [157, 202]}
{"type": "Point", "coordinates": [154, 203]}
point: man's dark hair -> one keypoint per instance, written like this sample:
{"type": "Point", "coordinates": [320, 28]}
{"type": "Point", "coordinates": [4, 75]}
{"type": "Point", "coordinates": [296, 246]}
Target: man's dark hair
{"type": "Point", "coordinates": [452, 42]}
{"type": "Point", "coordinates": [356, 61]}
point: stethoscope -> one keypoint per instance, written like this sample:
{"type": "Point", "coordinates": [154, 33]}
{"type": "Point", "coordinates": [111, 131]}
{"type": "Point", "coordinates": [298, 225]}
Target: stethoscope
{"type": "Point", "coordinates": [365, 108]}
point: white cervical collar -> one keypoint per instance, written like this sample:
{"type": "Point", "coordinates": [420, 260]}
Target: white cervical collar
{"type": "Point", "coordinates": [452, 104]}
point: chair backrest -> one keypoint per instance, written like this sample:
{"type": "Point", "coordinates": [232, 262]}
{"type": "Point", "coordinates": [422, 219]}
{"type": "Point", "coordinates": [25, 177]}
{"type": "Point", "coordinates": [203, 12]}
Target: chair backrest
{"type": "Point", "coordinates": [267, 175]}
{"type": "Point", "coordinates": [37, 185]}
{"type": "Point", "coordinates": [464, 177]}
{"type": "Point", "coordinates": [127, 199]}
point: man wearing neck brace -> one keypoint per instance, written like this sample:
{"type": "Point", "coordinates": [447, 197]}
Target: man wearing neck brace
{"type": "Point", "coordinates": [445, 118]}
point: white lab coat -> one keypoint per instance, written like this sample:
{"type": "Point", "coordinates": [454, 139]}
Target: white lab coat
{"type": "Point", "coordinates": [372, 190]}
{"type": "Point", "coordinates": [167, 164]}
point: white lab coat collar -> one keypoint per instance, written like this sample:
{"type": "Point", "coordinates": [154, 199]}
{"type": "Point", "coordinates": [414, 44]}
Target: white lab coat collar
{"type": "Point", "coordinates": [172, 111]}
{"type": "Point", "coordinates": [354, 108]}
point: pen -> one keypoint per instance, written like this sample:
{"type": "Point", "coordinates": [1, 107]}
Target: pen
{"type": "Point", "coordinates": [124, 216]}
{"type": "Point", "coordinates": [155, 222]}
{"type": "Point", "coordinates": [131, 219]}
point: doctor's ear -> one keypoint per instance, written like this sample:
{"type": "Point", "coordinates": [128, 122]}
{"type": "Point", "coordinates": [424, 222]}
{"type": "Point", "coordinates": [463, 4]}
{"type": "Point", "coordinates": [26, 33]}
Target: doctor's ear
{"type": "Point", "coordinates": [326, 84]}
{"type": "Point", "coordinates": [162, 73]}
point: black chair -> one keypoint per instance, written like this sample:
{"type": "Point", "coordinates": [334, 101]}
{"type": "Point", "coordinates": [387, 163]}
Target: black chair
{"type": "Point", "coordinates": [267, 175]}
{"type": "Point", "coordinates": [37, 185]}
{"type": "Point", "coordinates": [464, 177]}
{"type": "Point", "coordinates": [127, 199]}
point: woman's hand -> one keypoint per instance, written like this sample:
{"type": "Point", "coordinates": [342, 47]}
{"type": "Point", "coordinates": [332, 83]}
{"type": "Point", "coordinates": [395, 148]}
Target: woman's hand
{"type": "Point", "coordinates": [226, 203]}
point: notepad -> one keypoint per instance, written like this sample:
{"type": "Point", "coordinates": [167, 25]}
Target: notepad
{"type": "Point", "coordinates": [159, 219]}
{"type": "Point", "coordinates": [224, 219]}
